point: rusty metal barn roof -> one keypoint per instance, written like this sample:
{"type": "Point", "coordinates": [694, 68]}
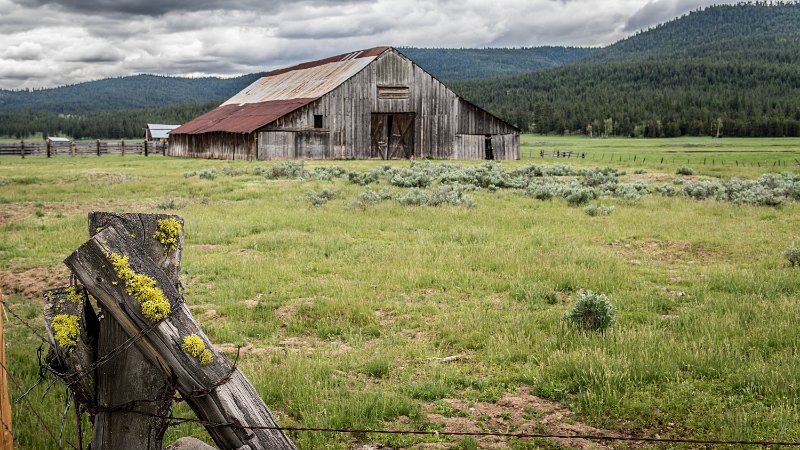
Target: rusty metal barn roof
{"type": "Point", "coordinates": [280, 92]}
{"type": "Point", "coordinates": [242, 118]}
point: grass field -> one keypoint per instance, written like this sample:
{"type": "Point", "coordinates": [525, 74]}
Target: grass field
{"type": "Point", "coordinates": [340, 307]}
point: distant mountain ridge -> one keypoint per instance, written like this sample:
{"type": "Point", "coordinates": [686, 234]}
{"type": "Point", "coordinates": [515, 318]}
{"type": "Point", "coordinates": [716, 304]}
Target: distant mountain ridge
{"type": "Point", "coordinates": [734, 67]}
{"type": "Point", "coordinates": [474, 63]}
{"type": "Point", "coordinates": [149, 91]}
{"type": "Point", "coordinates": [137, 91]}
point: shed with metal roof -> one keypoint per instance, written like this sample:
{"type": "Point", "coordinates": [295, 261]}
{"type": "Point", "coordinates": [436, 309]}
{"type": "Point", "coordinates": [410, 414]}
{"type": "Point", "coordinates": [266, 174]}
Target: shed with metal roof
{"type": "Point", "coordinates": [158, 131]}
{"type": "Point", "coordinates": [369, 104]}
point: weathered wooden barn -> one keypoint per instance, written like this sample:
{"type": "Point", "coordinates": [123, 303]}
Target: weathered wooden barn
{"type": "Point", "coordinates": [373, 103]}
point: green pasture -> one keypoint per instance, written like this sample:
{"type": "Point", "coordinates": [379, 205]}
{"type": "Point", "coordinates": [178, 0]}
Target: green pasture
{"type": "Point", "coordinates": [722, 157]}
{"type": "Point", "coordinates": [342, 306]}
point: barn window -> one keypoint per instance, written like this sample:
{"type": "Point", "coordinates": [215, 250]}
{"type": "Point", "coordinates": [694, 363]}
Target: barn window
{"type": "Point", "coordinates": [318, 121]}
{"type": "Point", "coordinates": [393, 92]}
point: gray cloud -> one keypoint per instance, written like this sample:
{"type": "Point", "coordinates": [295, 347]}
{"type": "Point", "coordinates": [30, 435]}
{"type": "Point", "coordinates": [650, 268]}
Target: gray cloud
{"type": "Point", "coordinates": [657, 11]}
{"type": "Point", "coordinates": [56, 42]}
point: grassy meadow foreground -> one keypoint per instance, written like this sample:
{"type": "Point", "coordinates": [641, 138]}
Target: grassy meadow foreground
{"type": "Point", "coordinates": [344, 302]}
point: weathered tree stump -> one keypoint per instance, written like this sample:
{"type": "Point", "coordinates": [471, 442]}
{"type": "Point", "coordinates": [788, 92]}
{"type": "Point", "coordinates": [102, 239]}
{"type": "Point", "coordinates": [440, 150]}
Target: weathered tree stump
{"type": "Point", "coordinates": [110, 265]}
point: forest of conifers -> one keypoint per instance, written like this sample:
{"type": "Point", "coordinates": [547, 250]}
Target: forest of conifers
{"type": "Point", "coordinates": [728, 70]}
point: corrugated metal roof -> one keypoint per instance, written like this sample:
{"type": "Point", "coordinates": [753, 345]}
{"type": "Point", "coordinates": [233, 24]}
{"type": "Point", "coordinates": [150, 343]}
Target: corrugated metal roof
{"type": "Point", "coordinates": [57, 139]}
{"type": "Point", "coordinates": [280, 92]}
{"type": "Point", "coordinates": [160, 126]}
{"type": "Point", "coordinates": [160, 131]}
{"type": "Point", "coordinates": [241, 118]}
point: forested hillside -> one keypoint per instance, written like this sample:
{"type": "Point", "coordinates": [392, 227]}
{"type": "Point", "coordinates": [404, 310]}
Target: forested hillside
{"type": "Point", "coordinates": [475, 63]}
{"type": "Point", "coordinates": [139, 91]}
{"type": "Point", "coordinates": [732, 68]}
{"type": "Point", "coordinates": [125, 123]}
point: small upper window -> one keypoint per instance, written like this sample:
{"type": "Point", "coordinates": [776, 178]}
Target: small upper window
{"type": "Point", "coordinates": [318, 121]}
{"type": "Point", "coordinates": [393, 92]}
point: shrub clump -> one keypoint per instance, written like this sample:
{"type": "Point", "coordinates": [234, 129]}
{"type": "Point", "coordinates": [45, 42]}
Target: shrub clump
{"type": "Point", "coordinates": [283, 170]}
{"type": "Point", "coordinates": [410, 178]}
{"type": "Point", "coordinates": [369, 197]}
{"type": "Point", "coordinates": [793, 255]}
{"type": "Point", "coordinates": [322, 197]}
{"type": "Point", "coordinates": [441, 195]}
{"type": "Point", "coordinates": [66, 330]}
{"type": "Point", "coordinates": [683, 170]}
{"type": "Point", "coordinates": [207, 174]}
{"type": "Point", "coordinates": [141, 287]}
{"type": "Point", "coordinates": [592, 312]}
{"type": "Point", "coordinates": [598, 210]}
{"type": "Point", "coordinates": [364, 178]}
{"type": "Point", "coordinates": [168, 232]}
{"type": "Point", "coordinates": [194, 345]}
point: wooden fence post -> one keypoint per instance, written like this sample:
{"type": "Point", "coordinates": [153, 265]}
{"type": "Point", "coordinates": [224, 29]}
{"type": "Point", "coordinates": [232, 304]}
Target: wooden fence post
{"type": "Point", "coordinates": [217, 391]}
{"type": "Point", "coordinates": [6, 435]}
{"type": "Point", "coordinates": [145, 148]}
{"type": "Point", "coordinates": [122, 145]}
{"type": "Point", "coordinates": [98, 147]}
{"type": "Point", "coordinates": [143, 382]}
{"type": "Point", "coordinates": [73, 148]}
{"type": "Point", "coordinates": [48, 148]}
{"type": "Point", "coordinates": [22, 145]}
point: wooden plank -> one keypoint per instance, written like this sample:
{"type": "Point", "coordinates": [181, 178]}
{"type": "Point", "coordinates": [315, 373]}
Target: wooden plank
{"type": "Point", "coordinates": [146, 387]}
{"type": "Point", "coordinates": [217, 392]}
{"type": "Point", "coordinates": [74, 358]}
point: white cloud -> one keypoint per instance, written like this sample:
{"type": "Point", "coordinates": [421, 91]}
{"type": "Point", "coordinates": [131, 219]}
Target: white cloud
{"type": "Point", "coordinates": [55, 42]}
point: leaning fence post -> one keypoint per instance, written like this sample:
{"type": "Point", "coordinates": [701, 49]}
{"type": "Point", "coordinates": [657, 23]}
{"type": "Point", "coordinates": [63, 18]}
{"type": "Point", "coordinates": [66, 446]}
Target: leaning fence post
{"type": "Point", "coordinates": [130, 377]}
{"type": "Point", "coordinates": [218, 392]}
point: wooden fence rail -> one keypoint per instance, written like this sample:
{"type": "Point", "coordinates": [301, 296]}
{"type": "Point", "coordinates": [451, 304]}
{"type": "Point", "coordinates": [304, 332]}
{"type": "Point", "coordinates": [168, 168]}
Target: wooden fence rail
{"type": "Point", "coordinates": [80, 148]}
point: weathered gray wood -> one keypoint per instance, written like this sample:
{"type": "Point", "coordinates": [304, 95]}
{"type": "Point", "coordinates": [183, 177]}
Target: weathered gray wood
{"type": "Point", "coordinates": [73, 362]}
{"type": "Point", "coordinates": [217, 392]}
{"type": "Point", "coordinates": [130, 378]}
{"type": "Point", "coordinates": [440, 117]}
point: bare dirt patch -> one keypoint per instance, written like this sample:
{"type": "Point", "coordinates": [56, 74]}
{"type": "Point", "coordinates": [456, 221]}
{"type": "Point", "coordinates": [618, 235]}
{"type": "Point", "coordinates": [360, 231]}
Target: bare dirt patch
{"type": "Point", "coordinates": [516, 412]}
{"type": "Point", "coordinates": [664, 251]}
{"type": "Point", "coordinates": [30, 283]}
{"type": "Point", "coordinates": [205, 247]}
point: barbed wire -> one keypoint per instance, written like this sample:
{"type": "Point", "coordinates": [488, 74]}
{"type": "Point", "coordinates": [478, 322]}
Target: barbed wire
{"type": "Point", "coordinates": [42, 422]}
{"type": "Point", "coordinates": [172, 420]}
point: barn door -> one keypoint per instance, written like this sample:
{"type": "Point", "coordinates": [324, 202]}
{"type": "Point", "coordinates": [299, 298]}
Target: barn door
{"type": "Point", "coordinates": [392, 135]}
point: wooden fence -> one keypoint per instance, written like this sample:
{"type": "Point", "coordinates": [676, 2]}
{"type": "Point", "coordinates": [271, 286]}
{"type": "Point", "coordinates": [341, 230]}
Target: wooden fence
{"type": "Point", "coordinates": [81, 148]}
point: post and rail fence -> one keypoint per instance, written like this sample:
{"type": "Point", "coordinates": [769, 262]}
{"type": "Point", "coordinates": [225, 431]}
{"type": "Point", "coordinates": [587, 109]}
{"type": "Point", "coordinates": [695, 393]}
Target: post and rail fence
{"type": "Point", "coordinates": [82, 148]}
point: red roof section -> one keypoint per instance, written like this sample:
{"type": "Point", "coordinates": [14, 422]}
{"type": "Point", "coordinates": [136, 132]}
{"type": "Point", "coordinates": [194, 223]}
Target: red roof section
{"type": "Point", "coordinates": [375, 51]}
{"type": "Point", "coordinates": [244, 118]}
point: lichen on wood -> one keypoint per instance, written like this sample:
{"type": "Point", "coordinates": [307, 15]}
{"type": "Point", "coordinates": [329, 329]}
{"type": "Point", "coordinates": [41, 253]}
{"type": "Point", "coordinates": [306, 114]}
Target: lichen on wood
{"type": "Point", "coordinates": [194, 345]}
{"type": "Point", "coordinates": [66, 330]}
{"type": "Point", "coordinates": [168, 233]}
{"type": "Point", "coordinates": [154, 303]}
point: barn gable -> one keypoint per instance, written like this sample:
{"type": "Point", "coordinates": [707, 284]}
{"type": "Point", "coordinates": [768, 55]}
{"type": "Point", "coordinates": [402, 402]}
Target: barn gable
{"type": "Point", "coordinates": [374, 103]}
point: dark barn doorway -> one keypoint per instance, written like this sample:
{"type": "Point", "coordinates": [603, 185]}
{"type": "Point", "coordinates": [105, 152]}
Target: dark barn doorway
{"type": "Point", "coordinates": [488, 147]}
{"type": "Point", "coordinates": [392, 135]}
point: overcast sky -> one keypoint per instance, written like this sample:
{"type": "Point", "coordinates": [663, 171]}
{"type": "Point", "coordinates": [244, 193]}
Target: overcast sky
{"type": "Point", "coordinates": [45, 43]}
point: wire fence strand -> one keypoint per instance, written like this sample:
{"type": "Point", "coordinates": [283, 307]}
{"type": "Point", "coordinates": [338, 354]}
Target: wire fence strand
{"type": "Point", "coordinates": [172, 420]}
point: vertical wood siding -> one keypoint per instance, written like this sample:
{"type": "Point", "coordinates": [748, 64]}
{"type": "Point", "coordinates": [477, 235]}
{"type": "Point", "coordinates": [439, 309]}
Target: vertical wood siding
{"type": "Point", "coordinates": [445, 127]}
